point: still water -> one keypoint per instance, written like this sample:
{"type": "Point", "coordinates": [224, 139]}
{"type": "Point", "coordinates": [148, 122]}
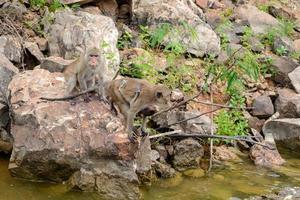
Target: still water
{"type": "Point", "coordinates": [240, 180]}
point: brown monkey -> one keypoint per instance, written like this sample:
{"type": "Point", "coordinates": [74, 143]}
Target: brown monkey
{"type": "Point", "coordinates": [135, 95]}
{"type": "Point", "coordinates": [85, 70]}
{"type": "Point", "coordinates": [88, 69]}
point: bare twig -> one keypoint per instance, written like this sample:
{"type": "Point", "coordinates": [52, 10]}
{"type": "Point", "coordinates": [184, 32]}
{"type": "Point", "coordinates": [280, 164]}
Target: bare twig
{"type": "Point", "coordinates": [176, 105]}
{"type": "Point", "coordinates": [221, 105]}
{"type": "Point", "coordinates": [211, 132]}
{"type": "Point", "coordinates": [184, 120]}
{"type": "Point", "coordinates": [225, 137]}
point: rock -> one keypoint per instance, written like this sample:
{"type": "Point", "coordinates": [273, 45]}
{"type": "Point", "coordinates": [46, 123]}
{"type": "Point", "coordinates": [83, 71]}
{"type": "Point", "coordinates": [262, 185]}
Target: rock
{"type": "Point", "coordinates": [202, 3]}
{"type": "Point", "coordinates": [163, 153]}
{"type": "Point", "coordinates": [294, 77]}
{"type": "Point", "coordinates": [259, 21]}
{"type": "Point", "coordinates": [281, 12]}
{"type": "Point", "coordinates": [4, 114]}
{"type": "Point", "coordinates": [108, 180]}
{"type": "Point", "coordinates": [54, 140]}
{"type": "Point", "coordinates": [18, 7]}
{"type": "Point", "coordinates": [71, 30]}
{"type": "Point", "coordinates": [285, 131]}
{"type": "Point", "coordinates": [296, 45]}
{"type": "Point", "coordinates": [6, 141]}
{"type": "Point", "coordinates": [154, 155]}
{"type": "Point", "coordinates": [163, 170]}
{"type": "Point", "coordinates": [263, 107]}
{"type": "Point", "coordinates": [266, 157]}
{"type": "Point", "coordinates": [254, 122]}
{"type": "Point", "coordinates": [187, 154]}
{"type": "Point", "coordinates": [199, 41]}
{"type": "Point", "coordinates": [54, 64]}
{"type": "Point", "coordinates": [256, 45]}
{"type": "Point", "coordinates": [7, 71]}
{"type": "Point", "coordinates": [144, 156]}
{"type": "Point", "coordinates": [11, 48]}
{"type": "Point", "coordinates": [177, 95]}
{"type": "Point", "coordinates": [201, 125]}
{"type": "Point", "coordinates": [287, 103]}
{"type": "Point", "coordinates": [285, 193]}
{"type": "Point", "coordinates": [42, 43]}
{"type": "Point", "coordinates": [108, 8]}
{"type": "Point", "coordinates": [91, 9]}
{"type": "Point", "coordinates": [194, 173]}
{"type": "Point", "coordinates": [222, 153]}
{"type": "Point", "coordinates": [283, 43]}
{"type": "Point", "coordinates": [34, 50]}
{"type": "Point", "coordinates": [283, 65]}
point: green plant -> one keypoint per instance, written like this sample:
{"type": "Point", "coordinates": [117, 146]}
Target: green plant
{"type": "Point", "coordinates": [55, 5]}
{"type": "Point", "coordinates": [124, 40]}
{"type": "Point", "coordinates": [37, 3]}
{"type": "Point", "coordinates": [222, 29]}
{"type": "Point", "coordinates": [247, 34]}
{"type": "Point", "coordinates": [286, 27]}
{"type": "Point", "coordinates": [266, 66]}
{"type": "Point", "coordinates": [295, 55]}
{"type": "Point", "coordinates": [182, 77]}
{"type": "Point", "coordinates": [263, 7]}
{"type": "Point", "coordinates": [281, 51]}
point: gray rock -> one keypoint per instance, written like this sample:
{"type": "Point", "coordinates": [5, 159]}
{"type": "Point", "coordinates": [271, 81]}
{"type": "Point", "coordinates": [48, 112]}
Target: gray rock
{"type": "Point", "coordinates": [187, 154]}
{"type": "Point", "coordinates": [144, 156]}
{"type": "Point", "coordinates": [34, 50]}
{"type": "Point", "coordinates": [199, 39]}
{"type": "Point", "coordinates": [295, 79]}
{"type": "Point", "coordinates": [287, 103]}
{"type": "Point", "coordinates": [71, 30]}
{"type": "Point", "coordinates": [259, 21]}
{"type": "Point", "coordinates": [18, 7]}
{"type": "Point", "coordinates": [111, 179]}
{"type": "Point", "coordinates": [285, 193]}
{"type": "Point", "coordinates": [177, 95]}
{"type": "Point", "coordinates": [263, 107]}
{"type": "Point", "coordinates": [6, 141]}
{"type": "Point", "coordinates": [256, 45]}
{"type": "Point", "coordinates": [285, 43]}
{"type": "Point", "coordinates": [11, 47]}
{"type": "Point", "coordinates": [4, 114]}
{"type": "Point", "coordinates": [7, 71]}
{"type": "Point", "coordinates": [283, 65]}
{"type": "Point", "coordinates": [154, 155]}
{"type": "Point", "coordinates": [55, 64]}
{"type": "Point", "coordinates": [281, 12]}
{"type": "Point", "coordinates": [163, 170]}
{"type": "Point", "coordinates": [163, 153]}
{"type": "Point", "coordinates": [53, 140]}
{"type": "Point", "coordinates": [201, 125]}
{"type": "Point", "coordinates": [42, 43]}
{"type": "Point", "coordinates": [285, 131]}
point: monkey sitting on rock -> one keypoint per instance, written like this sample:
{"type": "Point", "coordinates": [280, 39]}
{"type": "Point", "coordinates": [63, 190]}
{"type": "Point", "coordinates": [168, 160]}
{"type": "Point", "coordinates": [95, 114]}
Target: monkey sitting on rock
{"type": "Point", "coordinates": [85, 70]}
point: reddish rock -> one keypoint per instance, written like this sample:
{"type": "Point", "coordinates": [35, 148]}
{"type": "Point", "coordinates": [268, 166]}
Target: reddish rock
{"type": "Point", "coordinates": [222, 153]}
{"type": "Point", "coordinates": [202, 3]}
{"type": "Point", "coordinates": [296, 45]}
{"type": "Point", "coordinates": [263, 156]}
{"type": "Point", "coordinates": [54, 140]}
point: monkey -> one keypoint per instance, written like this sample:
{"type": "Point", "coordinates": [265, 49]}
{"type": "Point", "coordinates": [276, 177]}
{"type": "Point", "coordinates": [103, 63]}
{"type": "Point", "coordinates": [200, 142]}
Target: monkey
{"type": "Point", "coordinates": [135, 95]}
{"type": "Point", "coordinates": [88, 69]}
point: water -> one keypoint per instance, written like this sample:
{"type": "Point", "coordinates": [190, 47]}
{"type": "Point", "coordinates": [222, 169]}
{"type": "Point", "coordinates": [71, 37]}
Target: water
{"type": "Point", "coordinates": [238, 180]}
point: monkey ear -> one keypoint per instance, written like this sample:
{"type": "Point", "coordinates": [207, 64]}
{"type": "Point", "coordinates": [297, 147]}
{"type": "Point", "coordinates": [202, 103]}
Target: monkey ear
{"type": "Point", "coordinates": [159, 94]}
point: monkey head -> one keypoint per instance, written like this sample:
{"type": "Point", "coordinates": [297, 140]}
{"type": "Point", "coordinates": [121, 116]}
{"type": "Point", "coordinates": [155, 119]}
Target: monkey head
{"type": "Point", "coordinates": [162, 96]}
{"type": "Point", "coordinates": [93, 57]}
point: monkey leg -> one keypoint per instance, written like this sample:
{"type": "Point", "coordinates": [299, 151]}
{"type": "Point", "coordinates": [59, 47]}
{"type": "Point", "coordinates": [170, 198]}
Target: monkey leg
{"type": "Point", "coordinates": [143, 128]}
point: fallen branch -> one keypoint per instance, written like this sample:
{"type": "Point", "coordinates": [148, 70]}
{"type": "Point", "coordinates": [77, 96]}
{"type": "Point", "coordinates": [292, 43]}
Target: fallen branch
{"type": "Point", "coordinates": [197, 116]}
{"type": "Point", "coordinates": [178, 133]}
{"type": "Point", "coordinates": [176, 105]}
{"type": "Point", "coordinates": [221, 105]}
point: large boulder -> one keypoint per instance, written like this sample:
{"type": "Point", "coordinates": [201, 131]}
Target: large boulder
{"type": "Point", "coordinates": [287, 103]}
{"type": "Point", "coordinates": [285, 131]}
{"type": "Point", "coordinates": [197, 37]}
{"type": "Point", "coordinates": [59, 139]}
{"type": "Point", "coordinates": [71, 30]}
{"type": "Point", "coordinates": [259, 21]}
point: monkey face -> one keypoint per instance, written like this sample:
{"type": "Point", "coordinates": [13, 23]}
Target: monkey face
{"type": "Point", "coordinates": [163, 96]}
{"type": "Point", "coordinates": [93, 60]}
